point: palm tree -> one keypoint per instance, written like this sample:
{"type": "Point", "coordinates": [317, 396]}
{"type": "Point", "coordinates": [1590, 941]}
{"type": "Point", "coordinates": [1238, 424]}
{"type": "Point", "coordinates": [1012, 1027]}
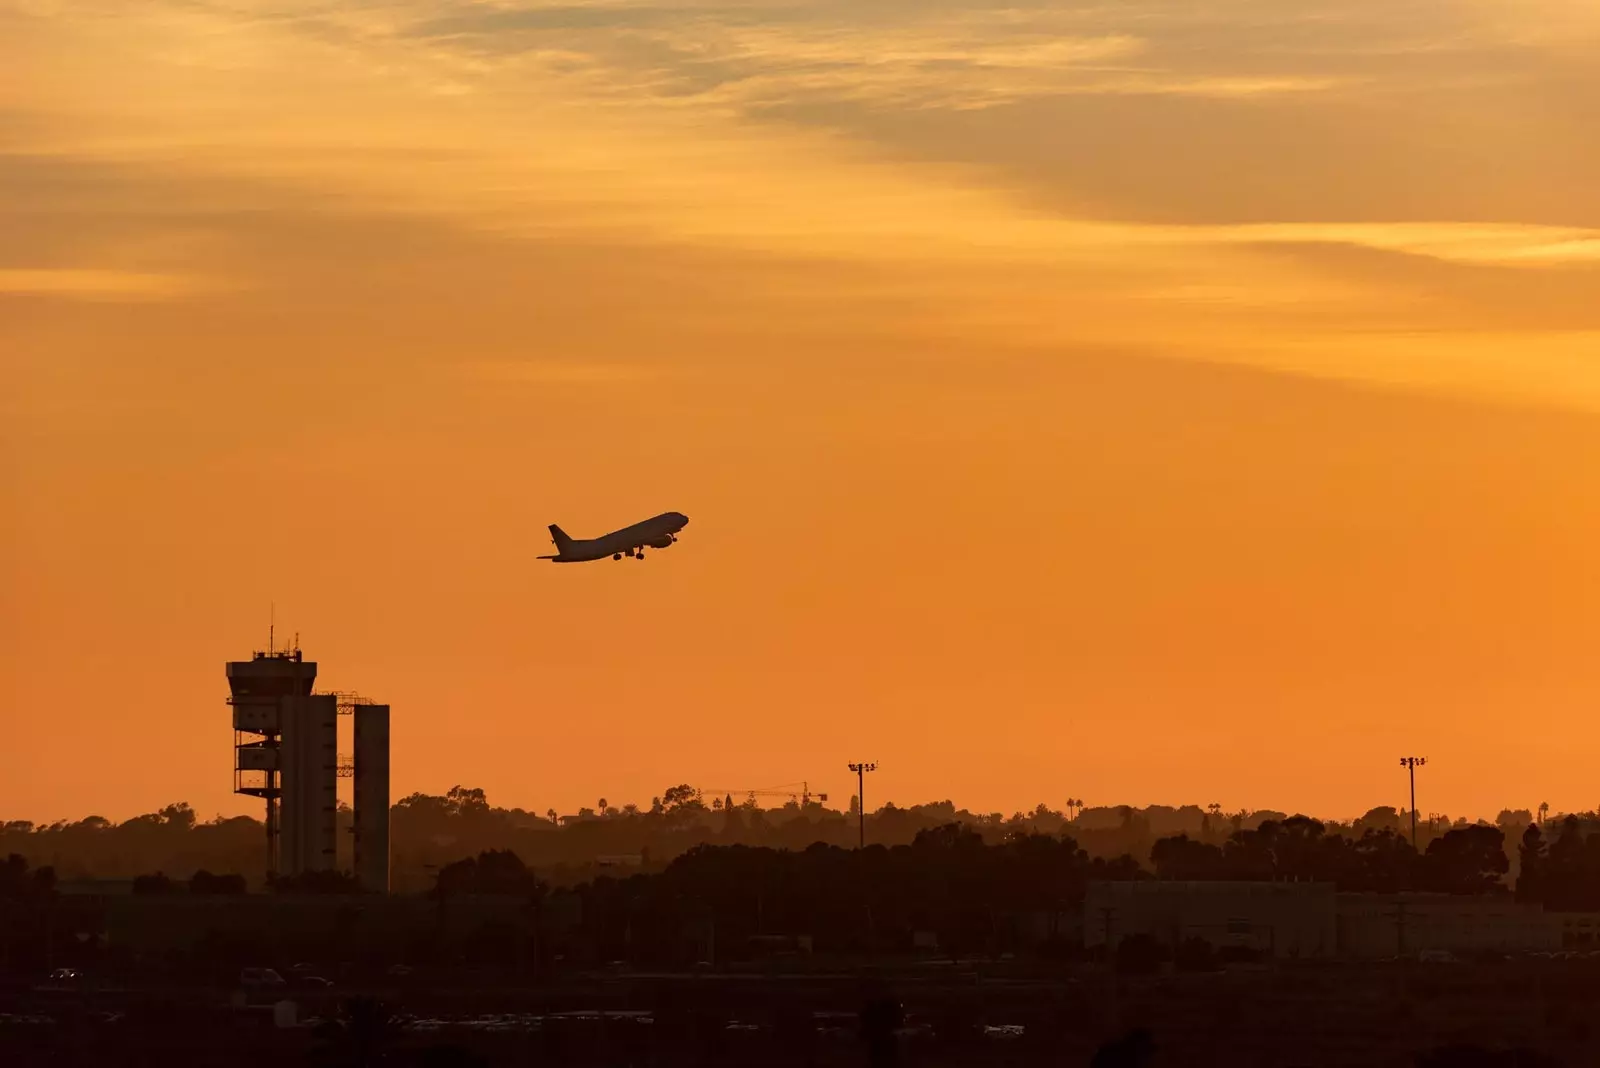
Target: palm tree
{"type": "Point", "coordinates": [1544, 811]}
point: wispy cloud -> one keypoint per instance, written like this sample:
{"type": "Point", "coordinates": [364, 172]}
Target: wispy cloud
{"type": "Point", "coordinates": [959, 57]}
{"type": "Point", "coordinates": [770, 129]}
{"type": "Point", "coordinates": [567, 372]}
{"type": "Point", "coordinates": [1463, 243]}
{"type": "Point", "coordinates": [89, 284]}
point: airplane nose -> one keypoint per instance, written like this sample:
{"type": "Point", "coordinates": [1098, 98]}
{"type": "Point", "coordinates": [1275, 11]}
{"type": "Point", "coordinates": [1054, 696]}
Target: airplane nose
{"type": "Point", "coordinates": [683, 519]}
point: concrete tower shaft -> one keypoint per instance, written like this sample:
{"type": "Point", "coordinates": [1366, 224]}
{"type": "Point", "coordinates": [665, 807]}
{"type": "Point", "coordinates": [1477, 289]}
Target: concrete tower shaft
{"type": "Point", "coordinates": [372, 797]}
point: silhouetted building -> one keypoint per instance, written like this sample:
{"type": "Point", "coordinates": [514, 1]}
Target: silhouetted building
{"type": "Point", "coordinates": [1290, 919]}
{"type": "Point", "coordinates": [286, 753]}
{"type": "Point", "coordinates": [1276, 919]}
{"type": "Point", "coordinates": [285, 742]}
{"type": "Point", "coordinates": [1578, 928]}
{"type": "Point", "coordinates": [1376, 926]}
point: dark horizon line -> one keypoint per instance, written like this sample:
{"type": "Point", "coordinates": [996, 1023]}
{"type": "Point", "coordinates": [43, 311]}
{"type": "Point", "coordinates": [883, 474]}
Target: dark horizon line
{"type": "Point", "coordinates": [1534, 814]}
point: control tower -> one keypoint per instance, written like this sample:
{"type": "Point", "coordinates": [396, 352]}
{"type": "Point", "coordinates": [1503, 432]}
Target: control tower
{"type": "Point", "coordinates": [286, 740]}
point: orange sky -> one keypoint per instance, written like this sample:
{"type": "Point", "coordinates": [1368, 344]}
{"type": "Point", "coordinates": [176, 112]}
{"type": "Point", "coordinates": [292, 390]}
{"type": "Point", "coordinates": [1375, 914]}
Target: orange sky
{"type": "Point", "coordinates": [1138, 402]}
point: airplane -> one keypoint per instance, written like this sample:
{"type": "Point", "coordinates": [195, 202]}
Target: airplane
{"type": "Point", "coordinates": [657, 533]}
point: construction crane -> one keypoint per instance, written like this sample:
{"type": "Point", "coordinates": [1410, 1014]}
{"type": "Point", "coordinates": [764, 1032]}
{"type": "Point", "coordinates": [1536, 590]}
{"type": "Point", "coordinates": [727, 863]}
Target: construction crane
{"type": "Point", "coordinates": [802, 796]}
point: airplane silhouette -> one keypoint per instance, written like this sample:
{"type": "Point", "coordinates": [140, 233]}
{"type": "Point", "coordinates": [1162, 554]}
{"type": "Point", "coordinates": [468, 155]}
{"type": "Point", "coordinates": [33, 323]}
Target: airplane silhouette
{"type": "Point", "coordinates": [657, 533]}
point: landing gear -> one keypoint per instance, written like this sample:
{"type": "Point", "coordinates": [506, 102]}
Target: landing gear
{"type": "Point", "coordinates": [639, 555]}
{"type": "Point", "coordinates": [618, 556]}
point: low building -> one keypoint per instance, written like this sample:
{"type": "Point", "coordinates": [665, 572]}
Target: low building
{"type": "Point", "coordinates": [95, 887]}
{"type": "Point", "coordinates": [1277, 919]}
{"type": "Point", "coordinates": [1376, 926]}
{"type": "Point", "coordinates": [1037, 927]}
{"type": "Point", "coordinates": [1578, 929]}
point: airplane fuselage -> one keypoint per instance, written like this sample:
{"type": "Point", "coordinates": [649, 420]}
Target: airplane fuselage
{"type": "Point", "coordinates": [658, 532]}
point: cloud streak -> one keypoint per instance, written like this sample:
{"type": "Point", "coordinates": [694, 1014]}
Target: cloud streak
{"type": "Point", "coordinates": [89, 284]}
{"type": "Point", "coordinates": [548, 372]}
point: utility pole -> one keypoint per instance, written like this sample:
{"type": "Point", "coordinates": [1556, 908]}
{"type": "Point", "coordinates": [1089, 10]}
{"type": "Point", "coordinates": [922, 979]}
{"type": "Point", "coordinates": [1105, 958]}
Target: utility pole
{"type": "Point", "coordinates": [1107, 915]}
{"type": "Point", "coordinates": [861, 797]}
{"type": "Point", "coordinates": [1412, 764]}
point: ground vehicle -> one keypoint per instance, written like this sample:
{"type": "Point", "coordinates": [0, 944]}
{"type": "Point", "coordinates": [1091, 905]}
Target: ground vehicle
{"type": "Point", "coordinates": [260, 978]}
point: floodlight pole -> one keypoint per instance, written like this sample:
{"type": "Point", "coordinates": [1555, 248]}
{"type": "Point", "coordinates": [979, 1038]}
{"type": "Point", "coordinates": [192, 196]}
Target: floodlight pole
{"type": "Point", "coordinates": [1411, 764]}
{"type": "Point", "coordinates": [861, 799]}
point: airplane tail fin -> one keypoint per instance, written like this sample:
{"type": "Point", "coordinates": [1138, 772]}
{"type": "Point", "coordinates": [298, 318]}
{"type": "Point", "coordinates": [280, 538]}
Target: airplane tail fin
{"type": "Point", "coordinates": [559, 536]}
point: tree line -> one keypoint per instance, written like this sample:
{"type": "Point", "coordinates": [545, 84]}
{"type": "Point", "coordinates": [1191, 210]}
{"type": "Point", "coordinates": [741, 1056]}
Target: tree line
{"type": "Point", "coordinates": [977, 895]}
{"type": "Point", "coordinates": [971, 892]}
{"type": "Point", "coordinates": [171, 850]}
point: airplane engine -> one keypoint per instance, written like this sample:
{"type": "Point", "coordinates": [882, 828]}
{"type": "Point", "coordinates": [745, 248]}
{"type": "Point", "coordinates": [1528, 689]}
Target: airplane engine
{"type": "Point", "coordinates": [661, 542]}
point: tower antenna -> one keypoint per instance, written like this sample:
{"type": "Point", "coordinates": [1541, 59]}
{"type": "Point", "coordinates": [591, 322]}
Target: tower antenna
{"type": "Point", "coordinates": [272, 627]}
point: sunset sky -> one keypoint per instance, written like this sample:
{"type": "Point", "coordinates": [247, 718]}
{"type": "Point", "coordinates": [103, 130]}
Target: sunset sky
{"type": "Point", "coordinates": [1139, 401]}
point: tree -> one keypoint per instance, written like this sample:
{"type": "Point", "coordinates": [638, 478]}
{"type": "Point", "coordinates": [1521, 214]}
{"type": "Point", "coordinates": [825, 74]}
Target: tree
{"type": "Point", "coordinates": [1382, 861]}
{"type": "Point", "coordinates": [19, 884]}
{"type": "Point", "coordinates": [203, 883]}
{"type": "Point", "coordinates": [150, 885]}
{"type": "Point", "coordinates": [678, 797]}
{"type": "Point", "coordinates": [1181, 858]}
{"type": "Point", "coordinates": [1531, 862]}
{"type": "Point", "coordinates": [464, 801]}
{"type": "Point", "coordinates": [1568, 869]}
{"type": "Point", "coordinates": [317, 882]}
{"type": "Point", "coordinates": [1469, 860]}
{"type": "Point", "coordinates": [498, 872]}
{"type": "Point", "coordinates": [1382, 818]}
{"type": "Point", "coordinates": [179, 815]}
{"type": "Point", "coordinates": [1513, 817]}
{"type": "Point", "coordinates": [1300, 849]}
